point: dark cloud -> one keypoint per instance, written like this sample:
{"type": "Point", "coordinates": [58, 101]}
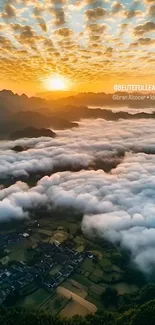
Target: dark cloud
{"type": "Point", "coordinates": [48, 44]}
{"type": "Point", "coordinates": [6, 44]}
{"type": "Point", "coordinates": [38, 15]}
{"type": "Point", "coordinates": [116, 7]}
{"type": "Point", "coordinates": [95, 31]}
{"type": "Point", "coordinates": [109, 51]}
{"type": "Point", "coordinates": [58, 12]}
{"type": "Point", "coordinates": [26, 32]}
{"type": "Point", "coordinates": [98, 29]}
{"type": "Point", "coordinates": [25, 35]}
{"type": "Point", "coordinates": [59, 16]}
{"type": "Point", "coordinates": [145, 28]}
{"type": "Point", "coordinates": [151, 11]}
{"type": "Point", "coordinates": [146, 41]}
{"type": "Point", "coordinates": [58, 2]}
{"type": "Point", "coordinates": [149, 1]}
{"type": "Point", "coordinates": [95, 14]}
{"type": "Point", "coordinates": [64, 32]}
{"type": "Point", "coordinates": [129, 14]}
{"type": "Point", "coordinates": [90, 3]}
{"type": "Point", "coordinates": [9, 11]}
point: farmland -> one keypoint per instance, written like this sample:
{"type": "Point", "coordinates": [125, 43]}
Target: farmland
{"type": "Point", "coordinates": [77, 304]}
{"type": "Point", "coordinates": [100, 268]}
{"type": "Point", "coordinates": [34, 300]}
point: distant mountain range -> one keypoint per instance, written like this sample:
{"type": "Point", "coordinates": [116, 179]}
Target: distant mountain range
{"type": "Point", "coordinates": [31, 132]}
{"type": "Point", "coordinates": [107, 100]}
{"type": "Point", "coordinates": [19, 112]}
{"type": "Point", "coordinates": [53, 95]}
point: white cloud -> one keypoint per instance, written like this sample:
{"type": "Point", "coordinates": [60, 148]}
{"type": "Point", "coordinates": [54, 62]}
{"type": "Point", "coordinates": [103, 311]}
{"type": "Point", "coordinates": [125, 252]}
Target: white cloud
{"type": "Point", "coordinates": [119, 205]}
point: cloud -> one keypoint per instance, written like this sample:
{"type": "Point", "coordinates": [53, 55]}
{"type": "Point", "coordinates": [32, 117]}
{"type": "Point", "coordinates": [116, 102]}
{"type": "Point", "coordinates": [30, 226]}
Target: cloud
{"type": "Point", "coordinates": [59, 16]}
{"type": "Point", "coordinates": [40, 19]}
{"type": "Point", "coordinates": [95, 14]}
{"type": "Point", "coordinates": [91, 3]}
{"type": "Point", "coordinates": [47, 155]}
{"type": "Point", "coordinates": [64, 32]}
{"type": "Point", "coordinates": [146, 41]}
{"type": "Point", "coordinates": [25, 35]}
{"type": "Point", "coordinates": [95, 31]}
{"type": "Point", "coordinates": [145, 28]}
{"type": "Point", "coordinates": [116, 7]}
{"type": "Point", "coordinates": [109, 51]}
{"type": "Point", "coordinates": [149, 1]}
{"type": "Point", "coordinates": [9, 11]}
{"type": "Point", "coordinates": [6, 44]}
{"type": "Point", "coordinates": [118, 205]}
{"type": "Point", "coordinates": [58, 11]}
{"type": "Point", "coordinates": [58, 2]}
{"type": "Point", "coordinates": [30, 62]}
{"type": "Point", "coordinates": [129, 14]}
{"type": "Point", "coordinates": [151, 11]}
{"type": "Point", "coordinates": [98, 29]}
{"type": "Point", "coordinates": [17, 200]}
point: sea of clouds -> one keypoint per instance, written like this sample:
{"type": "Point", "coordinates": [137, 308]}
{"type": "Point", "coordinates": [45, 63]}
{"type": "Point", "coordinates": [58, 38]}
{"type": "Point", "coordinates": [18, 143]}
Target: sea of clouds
{"type": "Point", "coordinates": [119, 205]}
{"type": "Point", "coordinates": [81, 147]}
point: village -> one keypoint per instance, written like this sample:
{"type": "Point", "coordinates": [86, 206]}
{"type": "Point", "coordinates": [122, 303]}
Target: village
{"type": "Point", "coordinates": [15, 278]}
{"type": "Point", "coordinates": [48, 264]}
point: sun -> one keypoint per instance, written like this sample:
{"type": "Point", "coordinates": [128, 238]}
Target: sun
{"type": "Point", "coordinates": [56, 82]}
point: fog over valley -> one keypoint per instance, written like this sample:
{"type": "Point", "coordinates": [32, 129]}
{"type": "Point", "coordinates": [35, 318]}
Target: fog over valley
{"type": "Point", "coordinates": [77, 162]}
{"type": "Point", "coordinates": [117, 202]}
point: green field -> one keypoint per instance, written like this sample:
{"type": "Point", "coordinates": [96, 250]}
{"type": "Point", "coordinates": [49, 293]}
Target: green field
{"type": "Point", "coordinates": [75, 289]}
{"type": "Point", "coordinates": [54, 304]}
{"type": "Point", "coordinates": [18, 251]}
{"type": "Point", "coordinates": [34, 300]}
{"type": "Point", "coordinates": [100, 271]}
{"type": "Point", "coordinates": [89, 279]}
{"type": "Point", "coordinates": [97, 275]}
{"type": "Point", "coordinates": [82, 279]}
{"type": "Point", "coordinates": [18, 255]}
{"type": "Point", "coordinates": [29, 288]}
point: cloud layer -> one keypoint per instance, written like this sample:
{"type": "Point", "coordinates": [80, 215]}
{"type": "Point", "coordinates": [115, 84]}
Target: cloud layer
{"type": "Point", "coordinates": [82, 148]}
{"type": "Point", "coordinates": [119, 205]}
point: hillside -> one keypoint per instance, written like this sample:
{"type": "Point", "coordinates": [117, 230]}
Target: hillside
{"type": "Point", "coordinates": [32, 133]}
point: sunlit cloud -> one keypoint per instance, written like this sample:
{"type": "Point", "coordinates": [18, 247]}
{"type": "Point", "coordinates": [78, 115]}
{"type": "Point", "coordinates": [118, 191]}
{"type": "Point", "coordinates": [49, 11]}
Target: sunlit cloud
{"type": "Point", "coordinates": [74, 38]}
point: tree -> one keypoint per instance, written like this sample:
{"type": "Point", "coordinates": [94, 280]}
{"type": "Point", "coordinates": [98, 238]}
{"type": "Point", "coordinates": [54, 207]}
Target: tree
{"type": "Point", "coordinates": [145, 315]}
{"type": "Point", "coordinates": [110, 297]}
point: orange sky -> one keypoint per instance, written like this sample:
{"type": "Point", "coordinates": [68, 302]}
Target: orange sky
{"type": "Point", "coordinates": [94, 44]}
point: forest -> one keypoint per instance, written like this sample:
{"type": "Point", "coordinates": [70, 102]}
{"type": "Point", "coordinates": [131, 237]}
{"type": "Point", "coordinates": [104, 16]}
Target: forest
{"type": "Point", "coordinates": [135, 309]}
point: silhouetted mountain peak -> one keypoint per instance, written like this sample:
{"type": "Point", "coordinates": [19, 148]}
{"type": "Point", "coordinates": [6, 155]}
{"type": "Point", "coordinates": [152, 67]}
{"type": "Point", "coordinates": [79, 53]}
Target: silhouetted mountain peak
{"type": "Point", "coordinates": [6, 93]}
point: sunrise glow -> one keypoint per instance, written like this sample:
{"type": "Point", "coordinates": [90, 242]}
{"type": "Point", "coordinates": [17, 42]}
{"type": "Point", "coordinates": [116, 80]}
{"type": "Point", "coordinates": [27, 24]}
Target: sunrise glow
{"type": "Point", "coordinates": [56, 82]}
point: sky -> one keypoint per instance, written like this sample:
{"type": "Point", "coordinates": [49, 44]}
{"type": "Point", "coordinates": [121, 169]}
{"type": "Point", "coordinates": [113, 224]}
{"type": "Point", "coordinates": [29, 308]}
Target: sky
{"type": "Point", "coordinates": [89, 45]}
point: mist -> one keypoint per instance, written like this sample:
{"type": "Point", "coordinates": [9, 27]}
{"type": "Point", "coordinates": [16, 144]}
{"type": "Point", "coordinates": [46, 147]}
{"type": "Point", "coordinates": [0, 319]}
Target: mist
{"type": "Point", "coordinates": [118, 205]}
{"type": "Point", "coordinates": [87, 147]}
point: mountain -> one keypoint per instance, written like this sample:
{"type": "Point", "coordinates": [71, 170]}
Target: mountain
{"type": "Point", "coordinates": [19, 112]}
{"type": "Point", "coordinates": [53, 95]}
{"type": "Point", "coordinates": [107, 100]}
{"type": "Point", "coordinates": [32, 133]}
{"type": "Point", "coordinates": [15, 102]}
{"type": "Point", "coordinates": [19, 148]}
{"type": "Point", "coordinates": [76, 113]}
